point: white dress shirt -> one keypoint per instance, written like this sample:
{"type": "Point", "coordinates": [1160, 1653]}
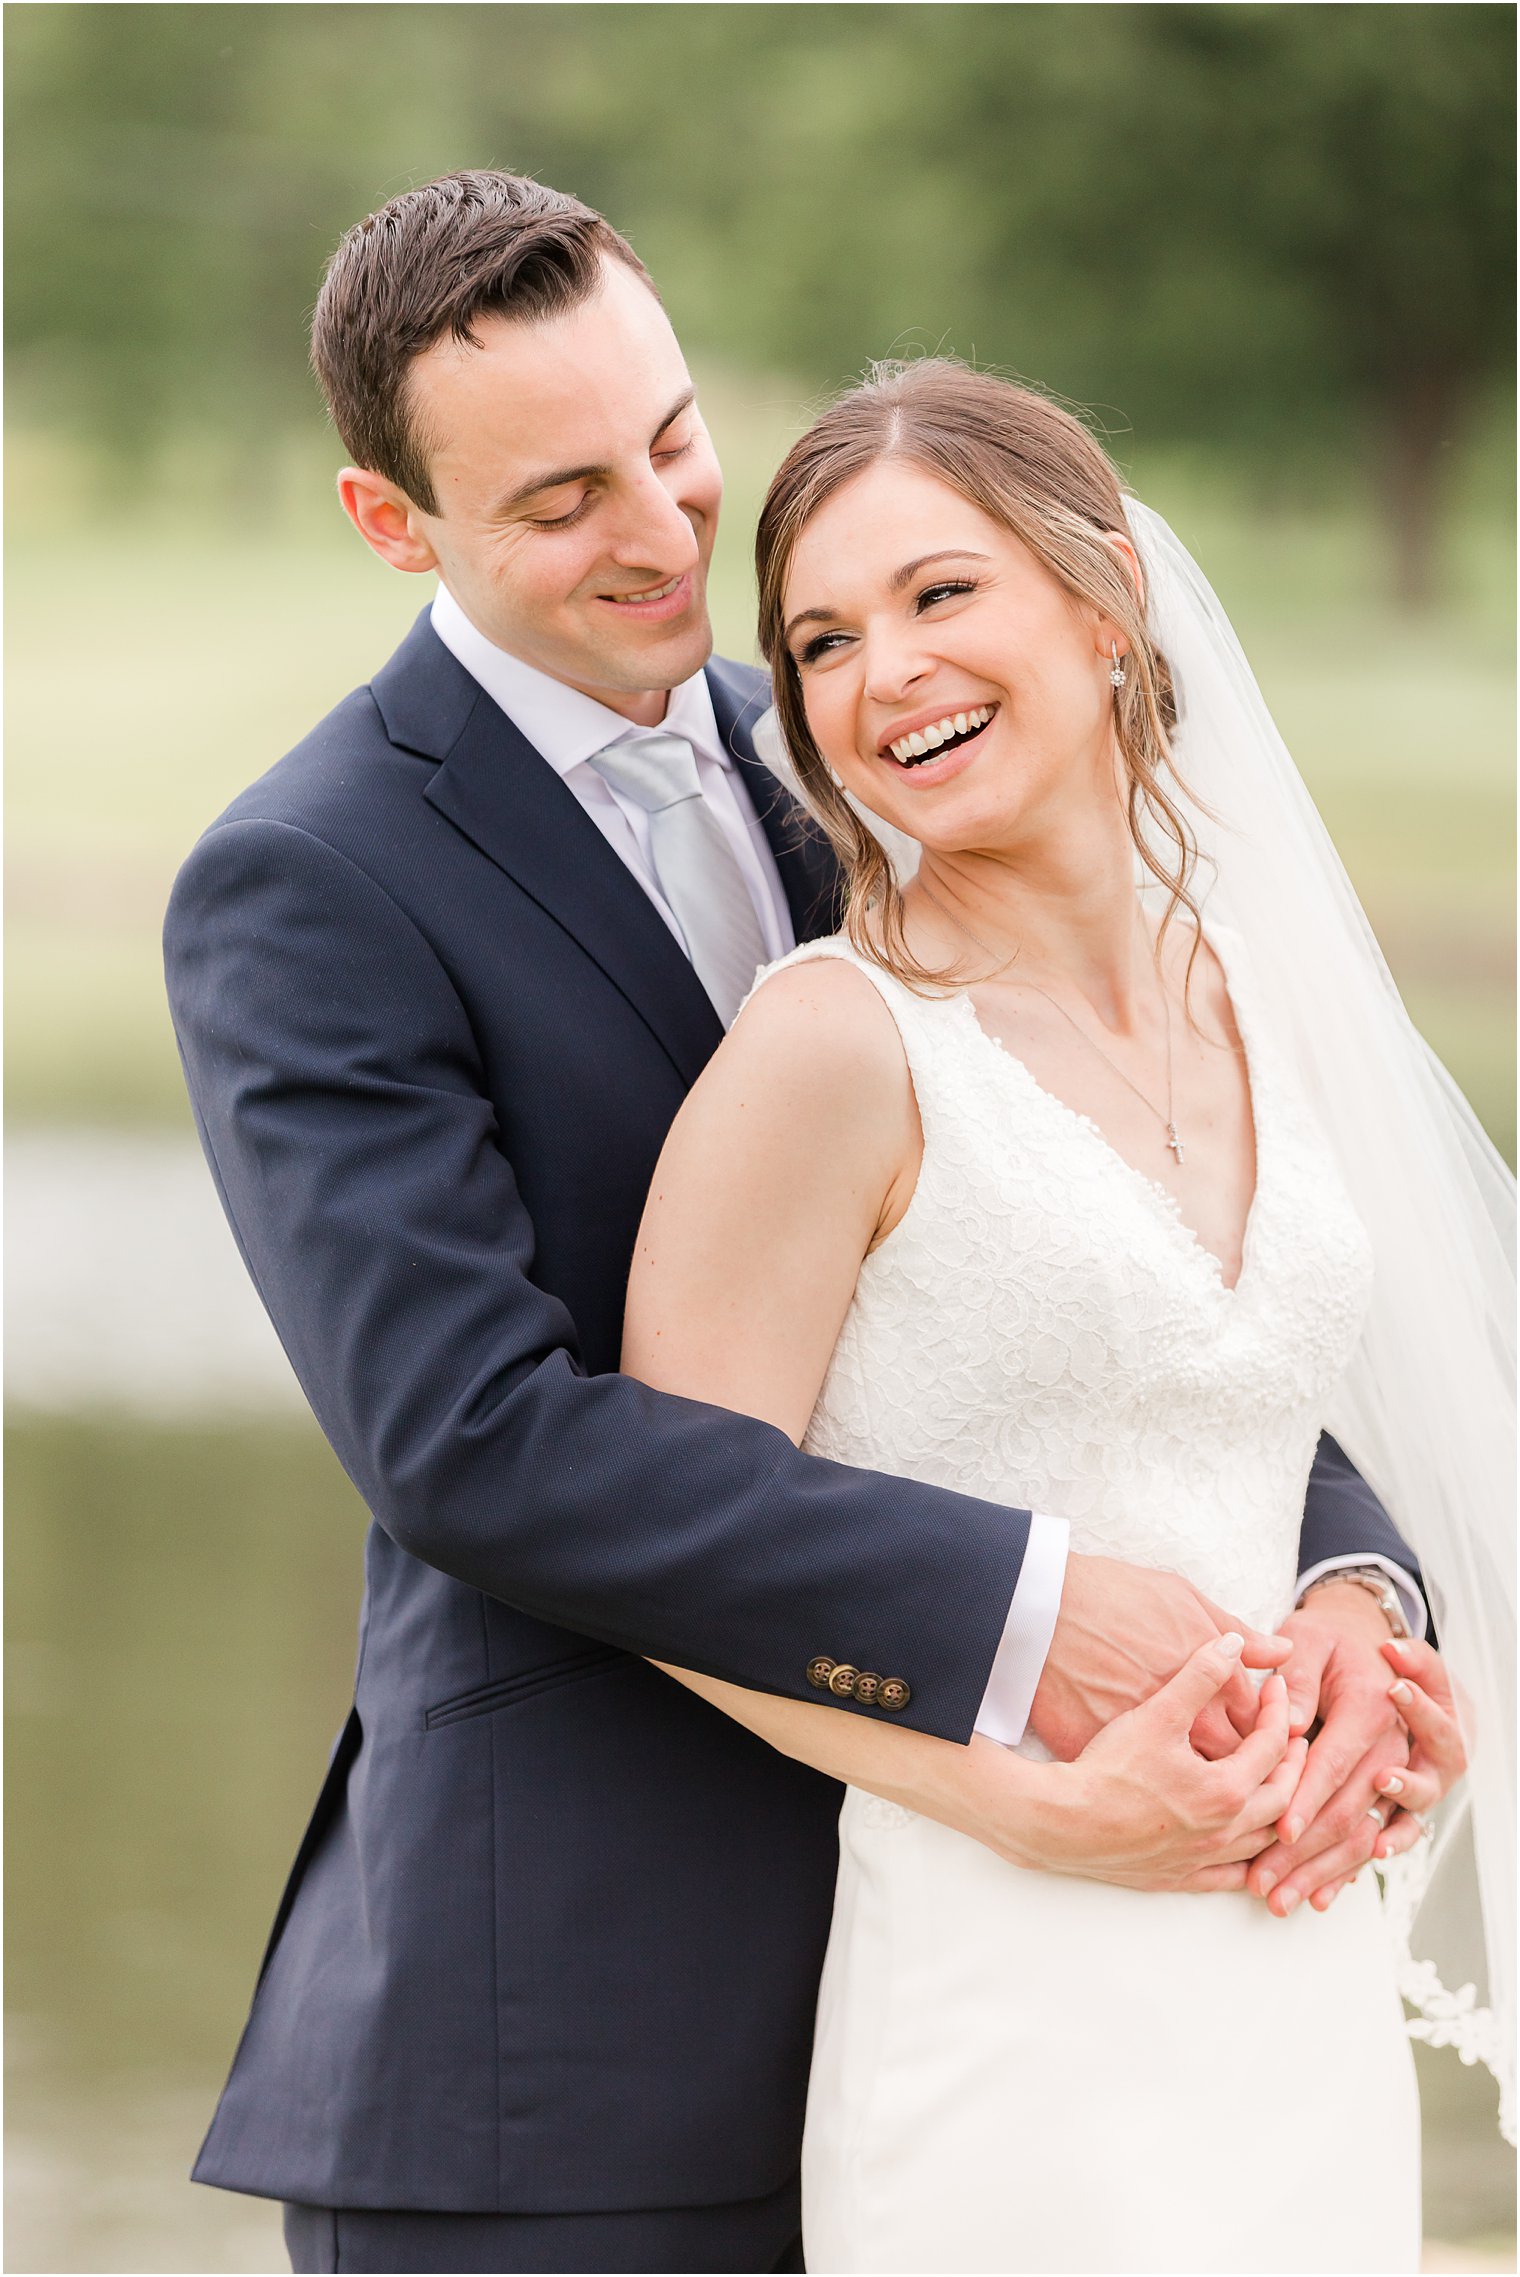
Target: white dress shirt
{"type": "Point", "coordinates": [568, 729]}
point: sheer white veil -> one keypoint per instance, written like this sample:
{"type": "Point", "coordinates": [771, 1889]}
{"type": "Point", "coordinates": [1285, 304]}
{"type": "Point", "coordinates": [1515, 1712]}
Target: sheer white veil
{"type": "Point", "coordinates": [1426, 1411]}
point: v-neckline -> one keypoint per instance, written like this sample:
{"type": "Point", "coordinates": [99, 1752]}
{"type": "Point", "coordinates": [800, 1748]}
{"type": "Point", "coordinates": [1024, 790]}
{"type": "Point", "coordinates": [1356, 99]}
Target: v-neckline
{"type": "Point", "coordinates": [1160, 1196]}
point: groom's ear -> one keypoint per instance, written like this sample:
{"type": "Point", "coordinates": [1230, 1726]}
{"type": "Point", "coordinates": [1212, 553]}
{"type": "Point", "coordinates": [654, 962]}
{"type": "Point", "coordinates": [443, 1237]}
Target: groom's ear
{"type": "Point", "coordinates": [390, 524]}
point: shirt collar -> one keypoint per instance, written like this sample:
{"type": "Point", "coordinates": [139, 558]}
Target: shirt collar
{"type": "Point", "coordinates": [564, 726]}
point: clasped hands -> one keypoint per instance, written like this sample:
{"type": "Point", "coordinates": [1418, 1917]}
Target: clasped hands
{"type": "Point", "coordinates": [1214, 1783]}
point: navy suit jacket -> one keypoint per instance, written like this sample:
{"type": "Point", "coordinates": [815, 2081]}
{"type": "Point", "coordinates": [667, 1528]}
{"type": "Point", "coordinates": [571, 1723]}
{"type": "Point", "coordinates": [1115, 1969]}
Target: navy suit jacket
{"type": "Point", "coordinates": [552, 1938]}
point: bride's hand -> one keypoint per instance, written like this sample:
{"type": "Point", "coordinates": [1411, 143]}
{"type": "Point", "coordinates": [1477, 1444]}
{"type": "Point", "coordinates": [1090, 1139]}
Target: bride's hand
{"type": "Point", "coordinates": [1411, 1770]}
{"type": "Point", "coordinates": [1427, 1706]}
{"type": "Point", "coordinates": [1437, 1755]}
{"type": "Point", "coordinates": [1141, 1807]}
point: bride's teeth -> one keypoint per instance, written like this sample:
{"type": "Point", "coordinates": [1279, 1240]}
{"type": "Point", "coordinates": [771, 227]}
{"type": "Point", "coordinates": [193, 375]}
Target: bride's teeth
{"type": "Point", "coordinates": [923, 740]}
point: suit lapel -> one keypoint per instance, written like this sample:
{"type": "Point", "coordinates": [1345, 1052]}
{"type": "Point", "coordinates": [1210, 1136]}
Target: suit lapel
{"type": "Point", "coordinates": [495, 787]}
{"type": "Point", "coordinates": [809, 873]}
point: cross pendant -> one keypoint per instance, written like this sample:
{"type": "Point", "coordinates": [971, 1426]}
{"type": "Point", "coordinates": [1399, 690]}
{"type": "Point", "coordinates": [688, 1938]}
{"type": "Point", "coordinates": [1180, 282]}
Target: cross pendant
{"type": "Point", "coordinates": [1173, 1141]}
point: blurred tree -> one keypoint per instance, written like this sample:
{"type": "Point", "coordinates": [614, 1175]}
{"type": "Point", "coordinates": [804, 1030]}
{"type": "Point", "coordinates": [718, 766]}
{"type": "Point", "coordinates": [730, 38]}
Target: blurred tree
{"type": "Point", "coordinates": [1387, 180]}
{"type": "Point", "coordinates": [1283, 230]}
{"type": "Point", "coordinates": [1286, 229]}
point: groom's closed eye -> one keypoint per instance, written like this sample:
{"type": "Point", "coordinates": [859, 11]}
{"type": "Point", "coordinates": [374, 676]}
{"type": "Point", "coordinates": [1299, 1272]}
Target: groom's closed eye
{"type": "Point", "coordinates": [665, 453]}
{"type": "Point", "coordinates": [674, 443]}
{"type": "Point", "coordinates": [557, 501]}
{"type": "Point", "coordinates": [573, 509]}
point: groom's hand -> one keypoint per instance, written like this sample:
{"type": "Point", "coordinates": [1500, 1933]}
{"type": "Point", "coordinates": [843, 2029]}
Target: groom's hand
{"type": "Point", "coordinates": [1339, 1675]}
{"type": "Point", "coordinates": [1122, 1632]}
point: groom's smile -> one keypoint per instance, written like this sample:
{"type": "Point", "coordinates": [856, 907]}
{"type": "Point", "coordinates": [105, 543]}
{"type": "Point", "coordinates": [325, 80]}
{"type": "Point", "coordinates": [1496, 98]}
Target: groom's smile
{"type": "Point", "coordinates": [575, 493]}
{"type": "Point", "coordinates": [657, 603]}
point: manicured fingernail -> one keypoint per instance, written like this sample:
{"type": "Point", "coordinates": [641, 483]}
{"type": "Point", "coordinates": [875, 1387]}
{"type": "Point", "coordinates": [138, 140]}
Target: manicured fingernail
{"type": "Point", "coordinates": [1294, 1829]}
{"type": "Point", "coordinates": [1268, 1884]}
{"type": "Point", "coordinates": [1231, 1643]}
{"type": "Point", "coordinates": [1290, 1900]}
{"type": "Point", "coordinates": [1382, 1849]}
{"type": "Point", "coordinates": [1399, 1691]}
{"type": "Point", "coordinates": [1390, 1785]}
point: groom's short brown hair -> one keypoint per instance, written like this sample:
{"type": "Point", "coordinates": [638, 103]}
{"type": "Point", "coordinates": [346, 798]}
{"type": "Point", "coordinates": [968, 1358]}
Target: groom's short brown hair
{"type": "Point", "coordinates": [433, 261]}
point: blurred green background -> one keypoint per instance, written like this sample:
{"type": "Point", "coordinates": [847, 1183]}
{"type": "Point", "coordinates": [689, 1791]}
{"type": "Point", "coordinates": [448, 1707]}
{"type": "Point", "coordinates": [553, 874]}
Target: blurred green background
{"type": "Point", "coordinates": [1266, 249]}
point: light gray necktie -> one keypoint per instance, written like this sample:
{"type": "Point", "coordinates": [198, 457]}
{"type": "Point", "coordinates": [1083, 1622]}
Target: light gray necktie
{"type": "Point", "coordinates": [693, 862]}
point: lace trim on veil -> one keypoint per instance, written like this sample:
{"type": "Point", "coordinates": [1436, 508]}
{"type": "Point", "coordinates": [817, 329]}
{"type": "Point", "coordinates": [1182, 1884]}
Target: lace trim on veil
{"type": "Point", "coordinates": [1442, 2018]}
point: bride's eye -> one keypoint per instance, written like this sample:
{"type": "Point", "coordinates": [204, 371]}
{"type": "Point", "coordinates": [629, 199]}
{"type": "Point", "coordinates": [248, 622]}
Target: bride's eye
{"type": "Point", "coordinates": [946, 592]}
{"type": "Point", "coordinates": [819, 646]}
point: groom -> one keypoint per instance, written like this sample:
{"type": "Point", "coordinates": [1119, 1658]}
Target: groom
{"type": "Point", "coordinates": [539, 1992]}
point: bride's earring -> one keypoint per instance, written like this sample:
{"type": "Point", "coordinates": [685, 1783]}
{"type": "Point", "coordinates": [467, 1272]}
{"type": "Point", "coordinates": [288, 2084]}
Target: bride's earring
{"type": "Point", "coordinates": [1117, 675]}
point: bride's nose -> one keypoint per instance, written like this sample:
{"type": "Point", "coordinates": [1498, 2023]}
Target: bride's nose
{"type": "Point", "coordinates": [895, 664]}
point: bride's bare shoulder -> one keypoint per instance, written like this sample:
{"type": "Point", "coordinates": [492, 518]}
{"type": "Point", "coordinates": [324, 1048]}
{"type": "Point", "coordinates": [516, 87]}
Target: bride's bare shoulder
{"type": "Point", "coordinates": [815, 1056]}
{"type": "Point", "coordinates": [823, 1021]}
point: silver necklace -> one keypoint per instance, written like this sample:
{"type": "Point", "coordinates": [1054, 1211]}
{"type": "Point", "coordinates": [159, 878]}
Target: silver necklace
{"type": "Point", "coordinates": [1168, 1119]}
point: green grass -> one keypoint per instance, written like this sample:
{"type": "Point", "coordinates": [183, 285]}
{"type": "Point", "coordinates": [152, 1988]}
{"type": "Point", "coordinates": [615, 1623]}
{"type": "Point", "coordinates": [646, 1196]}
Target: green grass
{"type": "Point", "coordinates": [162, 656]}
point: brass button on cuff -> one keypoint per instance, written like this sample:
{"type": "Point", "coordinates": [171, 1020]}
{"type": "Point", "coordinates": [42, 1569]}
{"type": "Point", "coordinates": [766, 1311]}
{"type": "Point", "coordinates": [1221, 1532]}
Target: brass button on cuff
{"type": "Point", "coordinates": [847, 1682]}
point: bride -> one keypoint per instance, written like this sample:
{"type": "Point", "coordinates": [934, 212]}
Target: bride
{"type": "Point", "coordinates": [1056, 1205]}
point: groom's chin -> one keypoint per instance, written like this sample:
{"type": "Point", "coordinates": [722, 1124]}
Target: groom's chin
{"type": "Point", "coordinates": [663, 659]}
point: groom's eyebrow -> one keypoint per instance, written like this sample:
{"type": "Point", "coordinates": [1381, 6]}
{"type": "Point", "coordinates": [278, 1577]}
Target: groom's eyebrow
{"type": "Point", "coordinates": [895, 584]}
{"type": "Point", "coordinates": [556, 477]}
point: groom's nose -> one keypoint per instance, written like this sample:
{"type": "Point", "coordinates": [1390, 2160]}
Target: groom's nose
{"type": "Point", "coordinates": [651, 530]}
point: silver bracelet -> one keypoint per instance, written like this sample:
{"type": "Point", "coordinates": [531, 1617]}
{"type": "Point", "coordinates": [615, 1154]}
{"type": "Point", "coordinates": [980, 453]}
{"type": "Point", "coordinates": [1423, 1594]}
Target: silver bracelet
{"type": "Point", "coordinates": [1373, 1579]}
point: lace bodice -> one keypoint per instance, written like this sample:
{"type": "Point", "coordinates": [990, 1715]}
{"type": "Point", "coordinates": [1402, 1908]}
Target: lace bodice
{"type": "Point", "coordinates": [1043, 1329]}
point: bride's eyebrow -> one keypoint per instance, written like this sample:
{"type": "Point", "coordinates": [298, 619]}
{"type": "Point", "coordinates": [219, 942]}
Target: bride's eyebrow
{"type": "Point", "coordinates": [895, 584]}
{"type": "Point", "coordinates": [910, 569]}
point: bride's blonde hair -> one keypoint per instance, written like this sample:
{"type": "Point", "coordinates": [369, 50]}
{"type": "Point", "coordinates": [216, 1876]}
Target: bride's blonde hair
{"type": "Point", "coordinates": [1031, 466]}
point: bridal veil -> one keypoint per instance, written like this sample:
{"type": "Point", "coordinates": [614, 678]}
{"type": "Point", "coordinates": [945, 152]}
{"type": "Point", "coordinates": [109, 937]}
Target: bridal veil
{"type": "Point", "coordinates": [1427, 1410]}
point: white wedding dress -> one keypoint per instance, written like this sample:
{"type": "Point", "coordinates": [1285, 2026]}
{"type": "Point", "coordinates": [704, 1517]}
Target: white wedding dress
{"type": "Point", "coordinates": [1026, 2071]}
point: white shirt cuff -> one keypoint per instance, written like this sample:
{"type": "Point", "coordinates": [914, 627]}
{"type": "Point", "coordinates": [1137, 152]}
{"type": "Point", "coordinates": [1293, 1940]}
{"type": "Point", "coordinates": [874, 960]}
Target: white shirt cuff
{"type": "Point", "coordinates": [1031, 1623]}
{"type": "Point", "coordinates": [1408, 1595]}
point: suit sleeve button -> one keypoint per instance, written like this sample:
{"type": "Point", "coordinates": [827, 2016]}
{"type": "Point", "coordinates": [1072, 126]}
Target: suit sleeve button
{"type": "Point", "coordinates": [844, 1679]}
{"type": "Point", "coordinates": [819, 1671]}
{"type": "Point", "coordinates": [867, 1685]}
{"type": "Point", "coordinates": [894, 1694]}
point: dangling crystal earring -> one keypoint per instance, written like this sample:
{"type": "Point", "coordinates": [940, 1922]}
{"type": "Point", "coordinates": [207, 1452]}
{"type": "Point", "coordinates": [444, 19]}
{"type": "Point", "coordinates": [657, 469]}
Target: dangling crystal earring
{"type": "Point", "coordinates": [1117, 674]}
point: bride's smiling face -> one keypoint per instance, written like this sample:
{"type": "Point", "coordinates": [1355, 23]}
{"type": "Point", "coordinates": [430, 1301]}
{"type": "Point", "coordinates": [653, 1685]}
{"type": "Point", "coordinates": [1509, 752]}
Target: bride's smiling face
{"type": "Point", "coordinates": [910, 612]}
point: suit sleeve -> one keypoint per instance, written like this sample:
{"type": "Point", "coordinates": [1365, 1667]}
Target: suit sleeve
{"type": "Point", "coordinates": [341, 1104]}
{"type": "Point", "coordinates": [1343, 1519]}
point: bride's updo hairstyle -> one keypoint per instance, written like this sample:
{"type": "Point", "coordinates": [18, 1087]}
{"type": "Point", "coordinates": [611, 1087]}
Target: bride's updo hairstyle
{"type": "Point", "coordinates": [1029, 465]}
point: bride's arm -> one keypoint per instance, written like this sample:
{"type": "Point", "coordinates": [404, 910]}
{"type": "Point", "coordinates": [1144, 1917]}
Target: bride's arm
{"type": "Point", "coordinates": [795, 1153]}
{"type": "Point", "coordinates": [793, 1156]}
